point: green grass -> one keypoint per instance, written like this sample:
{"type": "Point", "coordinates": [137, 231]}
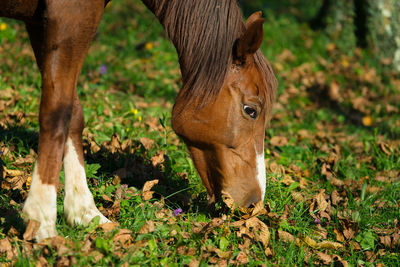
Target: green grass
{"type": "Point", "coordinates": [331, 146]}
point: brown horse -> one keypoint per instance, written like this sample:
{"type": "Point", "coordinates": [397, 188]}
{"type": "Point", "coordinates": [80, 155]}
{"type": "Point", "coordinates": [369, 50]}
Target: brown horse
{"type": "Point", "coordinates": [220, 112]}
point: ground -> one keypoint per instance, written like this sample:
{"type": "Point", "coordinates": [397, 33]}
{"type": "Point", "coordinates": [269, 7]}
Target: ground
{"type": "Point", "coordinates": [332, 155]}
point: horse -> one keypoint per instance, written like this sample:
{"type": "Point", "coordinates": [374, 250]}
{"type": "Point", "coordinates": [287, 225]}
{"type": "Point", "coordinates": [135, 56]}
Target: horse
{"type": "Point", "coordinates": [220, 113]}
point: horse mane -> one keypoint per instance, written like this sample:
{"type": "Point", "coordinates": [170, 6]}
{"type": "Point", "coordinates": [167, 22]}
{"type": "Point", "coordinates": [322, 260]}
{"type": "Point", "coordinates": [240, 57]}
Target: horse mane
{"type": "Point", "coordinates": [204, 33]}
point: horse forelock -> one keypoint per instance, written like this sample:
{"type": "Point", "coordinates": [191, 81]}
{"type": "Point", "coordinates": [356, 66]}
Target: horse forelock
{"type": "Point", "coordinates": [204, 33]}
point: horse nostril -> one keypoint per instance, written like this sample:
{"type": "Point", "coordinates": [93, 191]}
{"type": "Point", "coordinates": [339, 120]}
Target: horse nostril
{"type": "Point", "coordinates": [252, 198]}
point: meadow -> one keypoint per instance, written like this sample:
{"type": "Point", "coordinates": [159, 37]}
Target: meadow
{"type": "Point", "coordinates": [331, 150]}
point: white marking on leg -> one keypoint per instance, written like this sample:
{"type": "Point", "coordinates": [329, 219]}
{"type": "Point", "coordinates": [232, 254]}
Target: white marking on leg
{"type": "Point", "coordinates": [261, 176]}
{"type": "Point", "coordinates": [41, 206]}
{"type": "Point", "coordinates": [79, 207]}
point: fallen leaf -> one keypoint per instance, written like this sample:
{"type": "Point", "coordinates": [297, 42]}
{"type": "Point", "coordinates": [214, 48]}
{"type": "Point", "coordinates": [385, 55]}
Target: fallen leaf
{"type": "Point", "coordinates": [242, 258]}
{"type": "Point", "coordinates": [348, 233]}
{"type": "Point", "coordinates": [5, 247]}
{"type": "Point", "coordinates": [309, 241]}
{"type": "Point", "coordinates": [286, 237]}
{"type": "Point", "coordinates": [13, 173]}
{"type": "Point", "coordinates": [158, 158]}
{"type": "Point", "coordinates": [259, 209]}
{"type": "Point", "coordinates": [325, 258]}
{"type": "Point", "coordinates": [107, 227]}
{"type": "Point", "coordinates": [148, 227]}
{"type": "Point", "coordinates": [107, 198]}
{"type": "Point", "coordinates": [31, 229]}
{"type": "Point", "coordinates": [147, 143]}
{"type": "Point", "coordinates": [146, 193]}
{"type": "Point", "coordinates": [278, 141]}
{"type": "Point", "coordinates": [339, 236]}
{"type": "Point", "coordinates": [122, 236]}
{"type": "Point", "coordinates": [194, 263]}
{"type": "Point", "coordinates": [320, 198]}
{"type": "Point", "coordinates": [149, 185]}
{"type": "Point", "coordinates": [256, 224]}
{"type": "Point", "coordinates": [228, 200]}
{"type": "Point", "coordinates": [329, 245]}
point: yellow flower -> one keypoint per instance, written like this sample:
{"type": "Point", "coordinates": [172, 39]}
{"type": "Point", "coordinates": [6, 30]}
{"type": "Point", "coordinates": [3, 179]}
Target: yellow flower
{"type": "Point", "coordinates": [367, 121]}
{"type": "Point", "coordinates": [149, 46]}
{"type": "Point", "coordinates": [345, 63]}
{"type": "Point", "coordinates": [140, 118]}
{"type": "Point", "coordinates": [3, 26]}
{"type": "Point", "coordinates": [28, 183]}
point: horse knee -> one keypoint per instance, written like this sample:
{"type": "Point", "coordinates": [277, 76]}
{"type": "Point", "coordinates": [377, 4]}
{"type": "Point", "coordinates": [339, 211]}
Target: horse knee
{"type": "Point", "coordinates": [55, 122]}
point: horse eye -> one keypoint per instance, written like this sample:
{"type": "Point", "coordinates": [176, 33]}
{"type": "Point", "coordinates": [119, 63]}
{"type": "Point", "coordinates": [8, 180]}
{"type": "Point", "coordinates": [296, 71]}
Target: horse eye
{"type": "Point", "coordinates": [250, 111]}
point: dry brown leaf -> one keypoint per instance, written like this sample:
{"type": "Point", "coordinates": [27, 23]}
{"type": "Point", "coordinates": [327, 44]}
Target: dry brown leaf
{"type": "Point", "coordinates": [335, 197]}
{"type": "Point", "coordinates": [339, 236]}
{"type": "Point", "coordinates": [242, 258]}
{"type": "Point", "coordinates": [107, 227]}
{"type": "Point", "coordinates": [256, 224]}
{"type": "Point", "coordinates": [63, 261]}
{"type": "Point", "coordinates": [325, 258]}
{"type": "Point", "coordinates": [148, 227]}
{"type": "Point", "coordinates": [287, 180]}
{"type": "Point", "coordinates": [13, 173]}
{"type": "Point", "coordinates": [122, 236]}
{"type": "Point", "coordinates": [107, 198]}
{"type": "Point", "coordinates": [303, 134]}
{"type": "Point", "coordinates": [259, 209]}
{"type": "Point", "coordinates": [309, 241]}
{"type": "Point", "coordinates": [147, 143]}
{"type": "Point", "coordinates": [158, 158]}
{"type": "Point", "coordinates": [42, 262]}
{"type": "Point", "coordinates": [298, 197]}
{"type": "Point", "coordinates": [147, 194]}
{"type": "Point", "coordinates": [286, 237]}
{"type": "Point", "coordinates": [329, 245]}
{"type": "Point", "coordinates": [336, 182]}
{"type": "Point", "coordinates": [223, 254]}
{"type": "Point", "coordinates": [320, 198]}
{"type": "Point", "coordinates": [5, 247]}
{"type": "Point", "coordinates": [31, 229]}
{"type": "Point", "coordinates": [149, 185]}
{"type": "Point", "coordinates": [386, 241]}
{"type": "Point", "coordinates": [278, 141]}
{"type": "Point", "coordinates": [348, 233]}
{"type": "Point", "coordinates": [228, 200]}
{"type": "Point", "coordinates": [59, 243]}
{"type": "Point", "coordinates": [334, 92]}
{"type": "Point", "coordinates": [17, 182]}
{"type": "Point", "coordinates": [194, 262]}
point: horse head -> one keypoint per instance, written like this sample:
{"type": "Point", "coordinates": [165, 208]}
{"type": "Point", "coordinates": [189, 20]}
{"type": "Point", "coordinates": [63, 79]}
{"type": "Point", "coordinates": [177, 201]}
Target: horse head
{"type": "Point", "coordinates": [225, 137]}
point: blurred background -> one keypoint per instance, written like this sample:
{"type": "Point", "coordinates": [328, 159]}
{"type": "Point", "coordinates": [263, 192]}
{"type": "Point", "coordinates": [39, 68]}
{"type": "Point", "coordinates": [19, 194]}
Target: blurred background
{"type": "Point", "coordinates": [372, 24]}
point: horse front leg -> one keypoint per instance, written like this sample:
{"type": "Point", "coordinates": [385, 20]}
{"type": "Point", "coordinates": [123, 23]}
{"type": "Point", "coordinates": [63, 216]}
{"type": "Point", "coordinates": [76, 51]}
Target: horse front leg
{"type": "Point", "coordinates": [79, 206]}
{"type": "Point", "coordinates": [60, 41]}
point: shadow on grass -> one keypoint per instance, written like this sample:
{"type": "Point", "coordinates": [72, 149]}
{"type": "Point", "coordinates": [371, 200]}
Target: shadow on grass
{"type": "Point", "coordinates": [134, 166]}
{"type": "Point", "coordinates": [319, 95]}
{"type": "Point", "coordinates": [20, 139]}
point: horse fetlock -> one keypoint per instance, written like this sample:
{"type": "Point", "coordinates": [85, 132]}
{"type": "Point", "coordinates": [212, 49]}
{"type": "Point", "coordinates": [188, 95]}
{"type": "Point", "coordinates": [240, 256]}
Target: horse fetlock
{"type": "Point", "coordinates": [41, 206]}
{"type": "Point", "coordinates": [81, 210]}
{"type": "Point", "coordinates": [46, 215]}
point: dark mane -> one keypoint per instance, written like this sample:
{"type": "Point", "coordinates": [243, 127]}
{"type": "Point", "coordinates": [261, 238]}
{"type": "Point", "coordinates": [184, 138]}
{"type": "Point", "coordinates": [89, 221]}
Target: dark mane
{"type": "Point", "coordinates": [204, 32]}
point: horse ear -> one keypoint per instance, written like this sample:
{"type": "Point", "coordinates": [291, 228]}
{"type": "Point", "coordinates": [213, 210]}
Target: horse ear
{"type": "Point", "coordinates": [253, 17]}
{"type": "Point", "coordinates": [251, 39]}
